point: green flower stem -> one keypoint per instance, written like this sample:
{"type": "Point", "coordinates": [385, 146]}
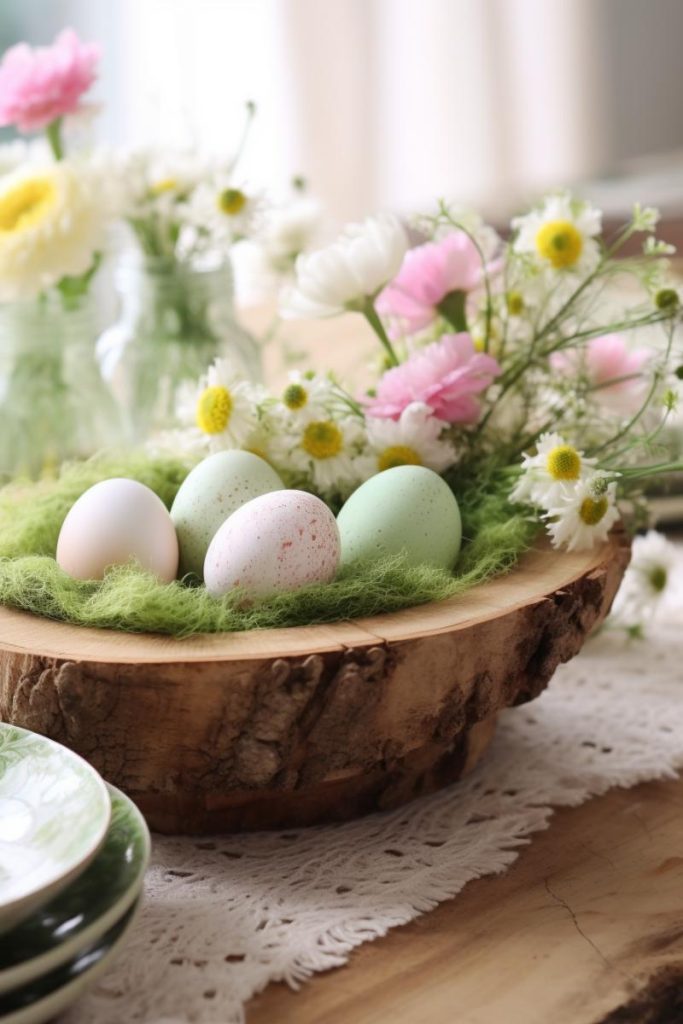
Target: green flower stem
{"type": "Point", "coordinates": [54, 138]}
{"type": "Point", "coordinates": [239, 152]}
{"type": "Point", "coordinates": [452, 309]}
{"type": "Point", "coordinates": [656, 382]}
{"type": "Point", "coordinates": [638, 473]}
{"type": "Point", "coordinates": [370, 314]}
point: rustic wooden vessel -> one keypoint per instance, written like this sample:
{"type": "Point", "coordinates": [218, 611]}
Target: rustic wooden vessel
{"type": "Point", "coordinates": [281, 728]}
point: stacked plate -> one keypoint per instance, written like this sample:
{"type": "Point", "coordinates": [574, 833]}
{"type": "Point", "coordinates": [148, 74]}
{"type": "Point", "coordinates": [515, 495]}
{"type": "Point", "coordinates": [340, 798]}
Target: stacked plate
{"type": "Point", "coordinates": [73, 854]}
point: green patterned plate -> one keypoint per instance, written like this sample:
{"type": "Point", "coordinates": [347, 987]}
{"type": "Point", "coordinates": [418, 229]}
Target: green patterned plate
{"type": "Point", "coordinates": [54, 815]}
{"type": "Point", "coordinates": [87, 908]}
{"type": "Point", "coordinates": [42, 1000]}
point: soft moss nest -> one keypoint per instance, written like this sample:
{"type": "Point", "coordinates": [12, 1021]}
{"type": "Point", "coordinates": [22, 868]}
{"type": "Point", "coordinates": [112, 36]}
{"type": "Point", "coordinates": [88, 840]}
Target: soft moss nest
{"type": "Point", "coordinates": [31, 516]}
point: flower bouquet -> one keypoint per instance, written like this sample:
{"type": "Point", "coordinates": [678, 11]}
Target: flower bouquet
{"type": "Point", "coordinates": [60, 207]}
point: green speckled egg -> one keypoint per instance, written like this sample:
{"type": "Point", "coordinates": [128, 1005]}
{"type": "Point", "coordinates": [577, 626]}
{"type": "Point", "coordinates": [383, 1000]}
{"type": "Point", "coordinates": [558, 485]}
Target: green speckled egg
{"type": "Point", "coordinates": [406, 509]}
{"type": "Point", "coordinates": [215, 489]}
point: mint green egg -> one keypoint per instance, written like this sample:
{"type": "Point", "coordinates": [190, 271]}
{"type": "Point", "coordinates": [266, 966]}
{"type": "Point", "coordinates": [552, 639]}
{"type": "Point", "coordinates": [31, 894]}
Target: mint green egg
{"type": "Point", "coordinates": [408, 509]}
{"type": "Point", "coordinates": [211, 492]}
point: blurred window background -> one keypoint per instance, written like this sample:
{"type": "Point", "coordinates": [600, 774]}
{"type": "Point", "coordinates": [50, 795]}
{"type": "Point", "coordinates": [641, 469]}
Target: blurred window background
{"type": "Point", "coordinates": [387, 103]}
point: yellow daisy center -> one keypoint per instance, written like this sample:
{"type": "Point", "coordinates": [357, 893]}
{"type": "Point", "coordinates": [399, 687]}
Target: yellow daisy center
{"type": "Point", "coordinates": [164, 185]}
{"type": "Point", "coordinates": [322, 439]}
{"type": "Point", "coordinates": [593, 510]}
{"type": "Point", "coordinates": [515, 303]}
{"type": "Point", "coordinates": [214, 409]}
{"type": "Point", "coordinates": [398, 455]}
{"type": "Point", "coordinates": [563, 463]}
{"type": "Point", "coordinates": [560, 242]}
{"type": "Point", "coordinates": [295, 397]}
{"type": "Point", "coordinates": [26, 204]}
{"type": "Point", "coordinates": [231, 201]}
{"type": "Point", "coordinates": [658, 578]}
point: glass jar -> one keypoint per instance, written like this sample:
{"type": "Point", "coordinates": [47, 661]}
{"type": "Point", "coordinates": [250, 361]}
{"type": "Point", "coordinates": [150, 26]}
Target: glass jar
{"type": "Point", "coordinates": [175, 320]}
{"type": "Point", "coordinates": [54, 404]}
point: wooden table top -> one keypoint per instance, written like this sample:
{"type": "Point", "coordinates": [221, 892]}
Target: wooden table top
{"type": "Point", "coordinates": [586, 927]}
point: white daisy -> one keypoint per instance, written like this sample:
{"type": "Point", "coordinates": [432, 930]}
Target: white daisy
{"type": "Point", "coordinates": [307, 396]}
{"type": "Point", "coordinates": [325, 450]}
{"type": "Point", "coordinates": [412, 440]}
{"type": "Point", "coordinates": [552, 472]}
{"type": "Point", "coordinates": [347, 273]}
{"type": "Point", "coordinates": [223, 212]}
{"type": "Point", "coordinates": [160, 178]}
{"type": "Point", "coordinates": [560, 234]}
{"type": "Point", "coordinates": [648, 581]}
{"type": "Point", "coordinates": [223, 410]}
{"type": "Point", "coordinates": [584, 517]}
{"type": "Point", "coordinates": [52, 223]}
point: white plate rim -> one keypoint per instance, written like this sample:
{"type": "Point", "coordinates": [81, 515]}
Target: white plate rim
{"type": "Point", "coordinates": [14, 910]}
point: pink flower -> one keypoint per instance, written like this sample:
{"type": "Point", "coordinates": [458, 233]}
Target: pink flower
{"type": "Point", "coordinates": [38, 85]}
{"type": "Point", "coordinates": [428, 274]}
{"type": "Point", "coordinates": [604, 359]}
{"type": "Point", "coordinates": [446, 376]}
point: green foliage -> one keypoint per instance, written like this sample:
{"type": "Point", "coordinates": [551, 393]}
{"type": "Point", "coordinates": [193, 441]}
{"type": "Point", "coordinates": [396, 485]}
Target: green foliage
{"type": "Point", "coordinates": [128, 599]}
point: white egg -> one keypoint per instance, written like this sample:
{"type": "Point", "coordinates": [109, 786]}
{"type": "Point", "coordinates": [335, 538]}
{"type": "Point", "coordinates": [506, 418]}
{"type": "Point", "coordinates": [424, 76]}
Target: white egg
{"type": "Point", "coordinates": [277, 542]}
{"type": "Point", "coordinates": [116, 522]}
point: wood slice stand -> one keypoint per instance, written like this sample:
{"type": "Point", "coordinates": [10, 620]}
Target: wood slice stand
{"type": "Point", "coordinates": [289, 727]}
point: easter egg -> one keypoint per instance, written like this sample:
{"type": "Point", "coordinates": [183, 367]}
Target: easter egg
{"type": "Point", "coordinates": [116, 522]}
{"type": "Point", "coordinates": [407, 509]}
{"type": "Point", "coordinates": [276, 542]}
{"type": "Point", "coordinates": [210, 493]}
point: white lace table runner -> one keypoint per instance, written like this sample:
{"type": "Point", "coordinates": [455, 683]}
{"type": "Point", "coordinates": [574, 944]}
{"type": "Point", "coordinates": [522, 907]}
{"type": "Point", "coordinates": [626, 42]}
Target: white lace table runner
{"type": "Point", "coordinates": [225, 917]}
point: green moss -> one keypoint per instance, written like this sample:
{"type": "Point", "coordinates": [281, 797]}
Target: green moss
{"type": "Point", "coordinates": [128, 599]}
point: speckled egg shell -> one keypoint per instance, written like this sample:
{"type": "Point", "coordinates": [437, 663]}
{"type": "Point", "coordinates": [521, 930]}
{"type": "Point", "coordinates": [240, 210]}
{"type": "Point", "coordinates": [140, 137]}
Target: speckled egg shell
{"type": "Point", "coordinates": [116, 522]}
{"type": "Point", "coordinates": [408, 509]}
{"type": "Point", "coordinates": [210, 493]}
{"type": "Point", "coordinates": [277, 542]}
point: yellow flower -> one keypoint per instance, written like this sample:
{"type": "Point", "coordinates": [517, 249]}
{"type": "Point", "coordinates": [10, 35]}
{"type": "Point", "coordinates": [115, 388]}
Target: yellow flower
{"type": "Point", "coordinates": [52, 223]}
{"type": "Point", "coordinates": [26, 204]}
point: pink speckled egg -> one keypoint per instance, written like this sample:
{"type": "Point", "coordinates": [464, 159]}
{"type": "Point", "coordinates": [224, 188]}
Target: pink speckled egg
{"type": "Point", "coordinates": [276, 542]}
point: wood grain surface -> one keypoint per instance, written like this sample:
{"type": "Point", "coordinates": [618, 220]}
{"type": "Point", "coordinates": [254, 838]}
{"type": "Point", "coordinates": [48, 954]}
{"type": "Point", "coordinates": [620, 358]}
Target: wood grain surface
{"type": "Point", "coordinates": [585, 928]}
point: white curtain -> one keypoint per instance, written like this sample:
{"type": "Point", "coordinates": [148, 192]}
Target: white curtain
{"type": "Point", "coordinates": [380, 103]}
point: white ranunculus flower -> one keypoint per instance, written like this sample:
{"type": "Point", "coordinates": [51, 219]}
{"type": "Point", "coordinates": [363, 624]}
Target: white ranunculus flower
{"type": "Point", "coordinates": [345, 274]}
{"type": "Point", "coordinates": [52, 222]}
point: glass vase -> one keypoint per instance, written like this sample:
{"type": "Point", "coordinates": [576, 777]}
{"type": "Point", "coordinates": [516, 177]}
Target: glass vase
{"type": "Point", "coordinates": [54, 403]}
{"type": "Point", "coordinates": [175, 320]}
